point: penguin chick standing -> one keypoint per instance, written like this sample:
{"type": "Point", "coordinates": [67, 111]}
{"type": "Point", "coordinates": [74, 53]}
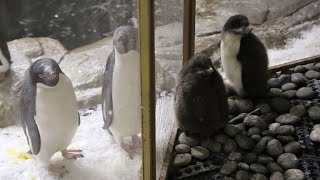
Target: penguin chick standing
{"type": "Point", "coordinates": [200, 102]}
{"type": "Point", "coordinates": [121, 91]}
{"type": "Point", "coordinates": [49, 113]}
{"type": "Point", "coordinates": [244, 58]}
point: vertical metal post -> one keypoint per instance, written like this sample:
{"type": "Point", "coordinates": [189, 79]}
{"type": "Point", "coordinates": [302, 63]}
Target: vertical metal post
{"type": "Point", "coordinates": [146, 30]}
{"type": "Point", "coordinates": [189, 13]}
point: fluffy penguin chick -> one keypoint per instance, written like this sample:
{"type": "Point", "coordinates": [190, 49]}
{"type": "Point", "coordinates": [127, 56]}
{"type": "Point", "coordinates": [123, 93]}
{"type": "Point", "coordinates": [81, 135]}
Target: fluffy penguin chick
{"type": "Point", "coordinates": [244, 58]}
{"type": "Point", "coordinates": [121, 99]}
{"type": "Point", "coordinates": [201, 105]}
{"type": "Point", "coordinates": [49, 113]}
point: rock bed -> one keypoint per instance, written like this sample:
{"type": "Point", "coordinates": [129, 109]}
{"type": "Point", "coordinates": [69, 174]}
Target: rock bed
{"type": "Point", "coordinates": [274, 138]}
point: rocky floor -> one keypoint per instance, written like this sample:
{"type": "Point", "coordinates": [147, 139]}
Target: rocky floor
{"type": "Point", "coordinates": [275, 138]}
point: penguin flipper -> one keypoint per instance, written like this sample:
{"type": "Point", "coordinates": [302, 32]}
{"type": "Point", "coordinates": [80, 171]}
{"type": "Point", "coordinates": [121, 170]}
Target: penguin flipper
{"type": "Point", "coordinates": [28, 111]}
{"type": "Point", "coordinates": [107, 106]}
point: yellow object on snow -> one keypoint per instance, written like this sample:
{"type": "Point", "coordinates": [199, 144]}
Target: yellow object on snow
{"type": "Point", "coordinates": [20, 154]}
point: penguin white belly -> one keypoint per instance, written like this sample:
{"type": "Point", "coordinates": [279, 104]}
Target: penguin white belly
{"type": "Point", "coordinates": [56, 117]}
{"type": "Point", "coordinates": [126, 95]}
{"type": "Point", "coordinates": [230, 46]}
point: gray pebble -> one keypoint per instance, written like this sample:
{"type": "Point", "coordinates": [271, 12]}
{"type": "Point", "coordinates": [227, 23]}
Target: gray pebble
{"type": "Point", "coordinates": [312, 74]}
{"type": "Point", "coordinates": [182, 148]}
{"type": "Point", "coordinates": [264, 159]}
{"type": "Point", "coordinates": [233, 108]}
{"type": "Point", "coordinates": [287, 119]}
{"type": "Point", "coordinates": [241, 126]}
{"type": "Point", "coordinates": [298, 79]}
{"type": "Point", "coordinates": [264, 107]}
{"type": "Point", "coordinates": [250, 158]}
{"type": "Point", "coordinates": [288, 161]}
{"type": "Point", "coordinates": [289, 86]}
{"type": "Point", "coordinates": [238, 119]}
{"type": "Point", "coordinates": [254, 130]}
{"type": "Point", "coordinates": [315, 133]}
{"type": "Point", "coordinates": [294, 174]}
{"type": "Point", "coordinates": [275, 92]}
{"type": "Point", "coordinates": [285, 130]}
{"type": "Point", "coordinates": [298, 110]}
{"type": "Point", "coordinates": [274, 148]}
{"type": "Point", "coordinates": [231, 130]}
{"type": "Point", "coordinates": [182, 160]}
{"type": "Point", "coordinates": [290, 94]}
{"type": "Point", "coordinates": [284, 78]}
{"type": "Point", "coordinates": [258, 168]}
{"type": "Point", "coordinates": [274, 167]}
{"type": "Point", "coordinates": [269, 133]}
{"type": "Point", "coordinates": [220, 138]}
{"type": "Point", "coordinates": [235, 156]}
{"type": "Point", "coordinates": [305, 93]}
{"type": "Point", "coordinates": [280, 105]}
{"type": "Point", "coordinates": [260, 146]}
{"type": "Point", "coordinates": [256, 138]}
{"type": "Point", "coordinates": [242, 175]}
{"type": "Point", "coordinates": [269, 117]}
{"type": "Point", "coordinates": [314, 113]}
{"type": "Point", "coordinates": [274, 127]}
{"type": "Point", "coordinates": [259, 177]}
{"type": "Point", "coordinates": [300, 69]}
{"type": "Point", "coordinates": [229, 146]}
{"type": "Point", "coordinates": [285, 139]}
{"type": "Point", "coordinates": [244, 142]}
{"type": "Point", "coordinates": [245, 105]}
{"type": "Point", "coordinates": [200, 153]}
{"type": "Point", "coordinates": [274, 83]}
{"type": "Point", "coordinates": [254, 121]}
{"type": "Point", "coordinates": [293, 147]}
{"type": "Point", "coordinates": [229, 167]}
{"type": "Point", "coordinates": [276, 176]}
{"type": "Point", "coordinates": [212, 145]}
{"type": "Point", "coordinates": [191, 141]}
{"type": "Point", "coordinates": [317, 66]}
{"type": "Point", "coordinates": [310, 67]}
{"type": "Point", "coordinates": [243, 166]}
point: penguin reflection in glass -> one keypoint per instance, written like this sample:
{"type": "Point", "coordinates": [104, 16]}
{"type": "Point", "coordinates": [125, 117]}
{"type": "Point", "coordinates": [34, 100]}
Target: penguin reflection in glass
{"type": "Point", "coordinates": [49, 113]}
{"type": "Point", "coordinates": [121, 94]}
{"type": "Point", "coordinates": [244, 58]}
{"type": "Point", "coordinates": [201, 106]}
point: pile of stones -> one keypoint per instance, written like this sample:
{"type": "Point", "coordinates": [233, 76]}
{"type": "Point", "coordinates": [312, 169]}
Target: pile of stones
{"type": "Point", "coordinates": [260, 141]}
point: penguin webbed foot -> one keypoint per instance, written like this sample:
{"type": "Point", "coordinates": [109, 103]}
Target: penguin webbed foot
{"type": "Point", "coordinates": [72, 153]}
{"type": "Point", "coordinates": [58, 170]}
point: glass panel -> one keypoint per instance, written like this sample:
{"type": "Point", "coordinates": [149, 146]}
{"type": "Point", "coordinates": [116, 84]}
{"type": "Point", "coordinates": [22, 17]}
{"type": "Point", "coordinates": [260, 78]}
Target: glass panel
{"type": "Point", "coordinates": [79, 36]}
{"type": "Point", "coordinates": [168, 54]}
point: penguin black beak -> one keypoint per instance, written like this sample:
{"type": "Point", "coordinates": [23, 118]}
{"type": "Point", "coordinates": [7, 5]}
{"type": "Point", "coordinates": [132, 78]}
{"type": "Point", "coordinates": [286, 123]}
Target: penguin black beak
{"type": "Point", "coordinates": [243, 30]}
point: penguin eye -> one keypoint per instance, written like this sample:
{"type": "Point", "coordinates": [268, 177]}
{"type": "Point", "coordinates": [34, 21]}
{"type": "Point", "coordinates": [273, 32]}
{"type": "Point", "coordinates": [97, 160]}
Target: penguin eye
{"type": "Point", "coordinates": [40, 76]}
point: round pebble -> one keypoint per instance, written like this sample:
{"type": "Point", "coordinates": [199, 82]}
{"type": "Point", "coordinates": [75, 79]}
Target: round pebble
{"type": "Point", "coordinates": [229, 167]}
{"type": "Point", "coordinates": [289, 86]}
{"type": "Point", "coordinates": [243, 166]}
{"type": "Point", "coordinates": [242, 175]}
{"type": "Point", "coordinates": [285, 130]}
{"type": "Point", "coordinates": [284, 78]}
{"type": "Point", "coordinates": [229, 146]}
{"type": "Point", "coordinates": [274, 127]}
{"type": "Point", "coordinates": [235, 156]}
{"type": "Point", "coordinates": [276, 176]}
{"type": "Point", "coordinates": [244, 142]}
{"type": "Point", "coordinates": [274, 82]}
{"type": "Point", "coordinates": [258, 168]}
{"type": "Point", "coordinates": [285, 139]}
{"type": "Point", "coordinates": [261, 145]}
{"type": "Point", "coordinates": [245, 105]}
{"type": "Point", "coordinates": [254, 121]}
{"type": "Point", "coordinates": [268, 133]}
{"type": "Point", "coordinates": [299, 79]}
{"type": "Point", "coordinates": [259, 177]}
{"type": "Point", "coordinates": [310, 67]}
{"type": "Point", "coordinates": [213, 146]}
{"type": "Point", "coordinates": [256, 138]}
{"type": "Point", "coordinates": [300, 69]}
{"type": "Point", "coordinates": [182, 148]}
{"type": "Point", "coordinates": [294, 174]}
{"type": "Point", "coordinates": [231, 130]}
{"type": "Point", "coordinates": [264, 159]}
{"type": "Point", "coordinates": [280, 105]}
{"type": "Point", "coordinates": [305, 93]}
{"type": "Point", "coordinates": [233, 108]}
{"type": "Point", "coordinates": [275, 92]}
{"type": "Point", "coordinates": [288, 119]}
{"type": "Point", "coordinates": [314, 113]}
{"type": "Point", "coordinates": [315, 133]}
{"type": "Point", "coordinates": [182, 159]}
{"type": "Point", "coordinates": [264, 107]}
{"type": "Point", "coordinates": [293, 147]}
{"type": "Point", "coordinates": [312, 74]}
{"type": "Point", "coordinates": [220, 138]}
{"type": "Point", "coordinates": [253, 131]}
{"type": "Point", "coordinates": [190, 141]}
{"type": "Point", "coordinates": [269, 117]}
{"type": "Point", "coordinates": [290, 94]}
{"type": "Point", "coordinates": [274, 167]}
{"type": "Point", "coordinates": [200, 153]}
{"type": "Point", "coordinates": [317, 66]}
{"type": "Point", "coordinates": [298, 110]}
{"type": "Point", "coordinates": [288, 161]}
{"type": "Point", "coordinates": [274, 148]}
{"type": "Point", "coordinates": [250, 158]}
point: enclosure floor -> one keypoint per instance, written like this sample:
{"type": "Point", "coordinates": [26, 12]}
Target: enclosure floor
{"type": "Point", "coordinates": [103, 159]}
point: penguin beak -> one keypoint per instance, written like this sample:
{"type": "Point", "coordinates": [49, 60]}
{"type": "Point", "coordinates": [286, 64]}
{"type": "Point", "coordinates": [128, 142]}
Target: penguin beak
{"type": "Point", "coordinates": [243, 30]}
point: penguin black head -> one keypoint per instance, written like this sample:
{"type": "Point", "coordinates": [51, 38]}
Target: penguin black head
{"type": "Point", "coordinates": [45, 71]}
{"type": "Point", "coordinates": [199, 64]}
{"type": "Point", "coordinates": [237, 24]}
{"type": "Point", "coordinates": [125, 39]}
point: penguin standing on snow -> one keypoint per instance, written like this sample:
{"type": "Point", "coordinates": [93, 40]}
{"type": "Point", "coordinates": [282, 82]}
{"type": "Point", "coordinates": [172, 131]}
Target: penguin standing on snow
{"type": "Point", "coordinates": [121, 91]}
{"type": "Point", "coordinates": [49, 113]}
{"type": "Point", "coordinates": [244, 58]}
{"type": "Point", "coordinates": [200, 101]}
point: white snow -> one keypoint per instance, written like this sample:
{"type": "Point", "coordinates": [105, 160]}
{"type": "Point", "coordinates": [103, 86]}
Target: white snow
{"type": "Point", "coordinates": [307, 45]}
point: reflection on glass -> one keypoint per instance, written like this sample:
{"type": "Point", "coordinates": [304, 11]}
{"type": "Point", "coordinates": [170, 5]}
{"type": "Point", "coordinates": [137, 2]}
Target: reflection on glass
{"type": "Point", "coordinates": [89, 63]}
